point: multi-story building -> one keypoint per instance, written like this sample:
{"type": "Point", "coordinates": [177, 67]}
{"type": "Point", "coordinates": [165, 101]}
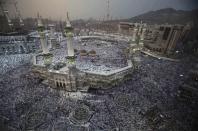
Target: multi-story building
{"type": "Point", "coordinates": [17, 45]}
{"type": "Point", "coordinates": [165, 38]}
{"type": "Point", "coordinates": [135, 30]}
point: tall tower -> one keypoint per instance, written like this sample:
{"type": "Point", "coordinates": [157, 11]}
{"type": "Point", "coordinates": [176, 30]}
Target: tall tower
{"type": "Point", "coordinates": [108, 11]}
{"type": "Point", "coordinates": [69, 36]}
{"type": "Point", "coordinates": [41, 28]}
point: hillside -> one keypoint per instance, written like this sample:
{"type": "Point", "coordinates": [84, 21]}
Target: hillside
{"type": "Point", "coordinates": [167, 15]}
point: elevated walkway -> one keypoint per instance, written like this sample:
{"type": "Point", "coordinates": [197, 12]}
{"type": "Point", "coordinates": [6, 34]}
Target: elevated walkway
{"type": "Point", "coordinates": [159, 57]}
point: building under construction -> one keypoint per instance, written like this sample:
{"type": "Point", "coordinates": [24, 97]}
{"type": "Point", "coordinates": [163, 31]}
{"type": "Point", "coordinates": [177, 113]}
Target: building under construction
{"type": "Point", "coordinates": [11, 26]}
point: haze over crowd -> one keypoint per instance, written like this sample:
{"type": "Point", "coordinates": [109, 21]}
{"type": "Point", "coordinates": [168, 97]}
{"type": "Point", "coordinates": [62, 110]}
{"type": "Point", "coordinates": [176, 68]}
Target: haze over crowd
{"type": "Point", "coordinates": [84, 9]}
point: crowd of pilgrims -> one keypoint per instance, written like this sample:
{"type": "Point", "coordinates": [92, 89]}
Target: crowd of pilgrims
{"type": "Point", "coordinates": [27, 103]}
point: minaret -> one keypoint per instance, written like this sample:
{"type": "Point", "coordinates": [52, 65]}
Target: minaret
{"type": "Point", "coordinates": [41, 28]}
{"type": "Point", "coordinates": [51, 35]}
{"type": "Point", "coordinates": [142, 34]}
{"type": "Point", "coordinates": [69, 36]}
{"type": "Point", "coordinates": [134, 34]}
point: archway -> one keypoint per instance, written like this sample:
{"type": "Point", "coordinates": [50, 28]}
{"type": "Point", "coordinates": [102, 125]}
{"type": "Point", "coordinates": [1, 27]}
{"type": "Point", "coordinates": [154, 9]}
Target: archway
{"type": "Point", "coordinates": [61, 85]}
{"type": "Point", "coordinates": [8, 49]}
{"type": "Point", "coordinates": [57, 84]}
{"type": "Point", "coordinates": [3, 50]}
{"type": "Point", "coordinates": [33, 48]}
{"type": "Point", "coordinates": [64, 85]}
{"type": "Point", "coordinates": [22, 49]}
{"type": "Point", "coordinates": [13, 49]}
{"type": "Point", "coordinates": [28, 49]}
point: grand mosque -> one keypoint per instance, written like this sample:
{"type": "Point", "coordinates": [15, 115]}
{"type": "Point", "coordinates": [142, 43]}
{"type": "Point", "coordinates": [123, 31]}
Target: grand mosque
{"type": "Point", "coordinates": [82, 62]}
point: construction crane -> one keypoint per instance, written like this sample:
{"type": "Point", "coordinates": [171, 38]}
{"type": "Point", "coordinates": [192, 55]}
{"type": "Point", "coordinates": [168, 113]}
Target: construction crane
{"type": "Point", "coordinates": [6, 14]}
{"type": "Point", "coordinates": [18, 14]}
